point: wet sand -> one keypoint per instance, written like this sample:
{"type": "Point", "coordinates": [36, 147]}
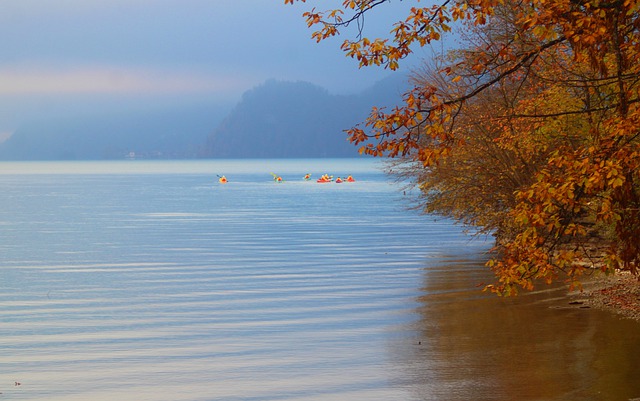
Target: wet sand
{"type": "Point", "coordinates": [618, 293]}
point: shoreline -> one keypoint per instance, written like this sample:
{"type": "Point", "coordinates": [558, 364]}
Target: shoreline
{"type": "Point", "coordinates": [618, 293]}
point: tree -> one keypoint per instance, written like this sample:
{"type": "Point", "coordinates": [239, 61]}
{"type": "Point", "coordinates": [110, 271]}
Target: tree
{"type": "Point", "coordinates": [562, 81]}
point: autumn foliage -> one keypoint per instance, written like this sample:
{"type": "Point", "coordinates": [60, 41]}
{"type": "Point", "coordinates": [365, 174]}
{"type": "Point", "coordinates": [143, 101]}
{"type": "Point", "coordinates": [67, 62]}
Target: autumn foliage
{"type": "Point", "coordinates": [528, 130]}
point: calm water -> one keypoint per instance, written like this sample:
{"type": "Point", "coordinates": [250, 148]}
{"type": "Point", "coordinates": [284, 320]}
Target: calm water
{"type": "Point", "coordinates": [151, 281]}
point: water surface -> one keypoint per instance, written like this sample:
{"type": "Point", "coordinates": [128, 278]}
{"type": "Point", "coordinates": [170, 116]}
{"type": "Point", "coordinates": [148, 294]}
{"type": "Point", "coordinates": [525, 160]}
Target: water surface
{"type": "Point", "coordinates": [151, 281]}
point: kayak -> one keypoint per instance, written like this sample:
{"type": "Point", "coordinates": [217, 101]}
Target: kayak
{"type": "Point", "coordinates": [276, 177]}
{"type": "Point", "coordinates": [325, 178]}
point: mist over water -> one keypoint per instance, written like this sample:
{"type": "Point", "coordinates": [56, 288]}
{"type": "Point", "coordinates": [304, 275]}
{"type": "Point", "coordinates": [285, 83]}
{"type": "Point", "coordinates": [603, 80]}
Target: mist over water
{"type": "Point", "coordinates": [152, 281]}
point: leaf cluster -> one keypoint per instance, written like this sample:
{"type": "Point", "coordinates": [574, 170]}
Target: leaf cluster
{"type": "Point", "coordinates": [529, 130]}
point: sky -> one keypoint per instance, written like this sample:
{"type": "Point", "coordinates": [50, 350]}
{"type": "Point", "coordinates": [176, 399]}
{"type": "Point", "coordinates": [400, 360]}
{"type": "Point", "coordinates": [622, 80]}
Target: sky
{"type": "Point", "coordinates": [66, 57]}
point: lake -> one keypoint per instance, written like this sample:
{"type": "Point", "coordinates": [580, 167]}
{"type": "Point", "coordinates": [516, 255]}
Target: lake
{"type": "Point", "coordinates": [149, 280]}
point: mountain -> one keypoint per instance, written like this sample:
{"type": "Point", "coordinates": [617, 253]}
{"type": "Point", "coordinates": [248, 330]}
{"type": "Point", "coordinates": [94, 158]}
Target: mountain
{"type": "Point", "coordinates": [297, 119]}
{"type": "Point", "coordinates": [274, 120]}
{"type": "Point", "coordinates": [166, 133]}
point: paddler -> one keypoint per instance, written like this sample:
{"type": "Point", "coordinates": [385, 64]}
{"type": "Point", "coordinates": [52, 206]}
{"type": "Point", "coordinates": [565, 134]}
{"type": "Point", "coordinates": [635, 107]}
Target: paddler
{"type": "Point", "coordinates": [222, 180]}
{"type": "Point", "coordinates": [325, 178]}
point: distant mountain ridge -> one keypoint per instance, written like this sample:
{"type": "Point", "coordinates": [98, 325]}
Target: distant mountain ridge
{"type": "Point", "coordinates": [274, 120]}
{"type": "Point", "coordinates": [296, 119]}
{"type": "Point", "coordinates": [169, 134]}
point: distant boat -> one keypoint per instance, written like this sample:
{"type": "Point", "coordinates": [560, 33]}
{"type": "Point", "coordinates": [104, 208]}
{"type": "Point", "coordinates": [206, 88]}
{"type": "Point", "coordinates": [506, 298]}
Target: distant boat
{"type": "Point", "coordinates": [325, 178]}
{"type": "Point", "coordinates": [276, 177]}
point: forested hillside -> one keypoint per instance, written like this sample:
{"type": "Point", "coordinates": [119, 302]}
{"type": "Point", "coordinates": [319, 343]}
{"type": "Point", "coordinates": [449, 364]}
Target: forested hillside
{"type": "Point", "coordinates": [296, 119]}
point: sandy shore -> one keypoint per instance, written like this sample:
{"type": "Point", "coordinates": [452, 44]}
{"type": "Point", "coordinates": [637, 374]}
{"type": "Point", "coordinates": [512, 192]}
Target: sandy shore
{"type": "Point", "coordinates": [618, 293]}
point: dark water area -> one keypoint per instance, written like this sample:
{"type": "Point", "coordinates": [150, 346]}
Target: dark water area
{"type": "Point", "coordinates": [534, 347]}
{"type": "Point", "coordinates": [152, 281]}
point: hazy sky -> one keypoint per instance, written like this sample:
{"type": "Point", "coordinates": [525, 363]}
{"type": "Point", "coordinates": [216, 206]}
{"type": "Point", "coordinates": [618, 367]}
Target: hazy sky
{"type": "Point", "coordinates": [73, 56]}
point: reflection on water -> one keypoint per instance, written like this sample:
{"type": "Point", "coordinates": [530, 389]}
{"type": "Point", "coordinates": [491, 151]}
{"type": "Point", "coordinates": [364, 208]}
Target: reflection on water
{"type": "Point", "coordinates": [157, 284]}
{"type": "Point", "coordinates": [534, 347]}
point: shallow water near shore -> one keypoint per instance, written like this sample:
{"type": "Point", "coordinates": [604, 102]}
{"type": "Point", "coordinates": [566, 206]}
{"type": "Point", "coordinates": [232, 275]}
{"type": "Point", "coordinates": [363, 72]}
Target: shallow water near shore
{"type": "Point", "coordinates": [143, 280]}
